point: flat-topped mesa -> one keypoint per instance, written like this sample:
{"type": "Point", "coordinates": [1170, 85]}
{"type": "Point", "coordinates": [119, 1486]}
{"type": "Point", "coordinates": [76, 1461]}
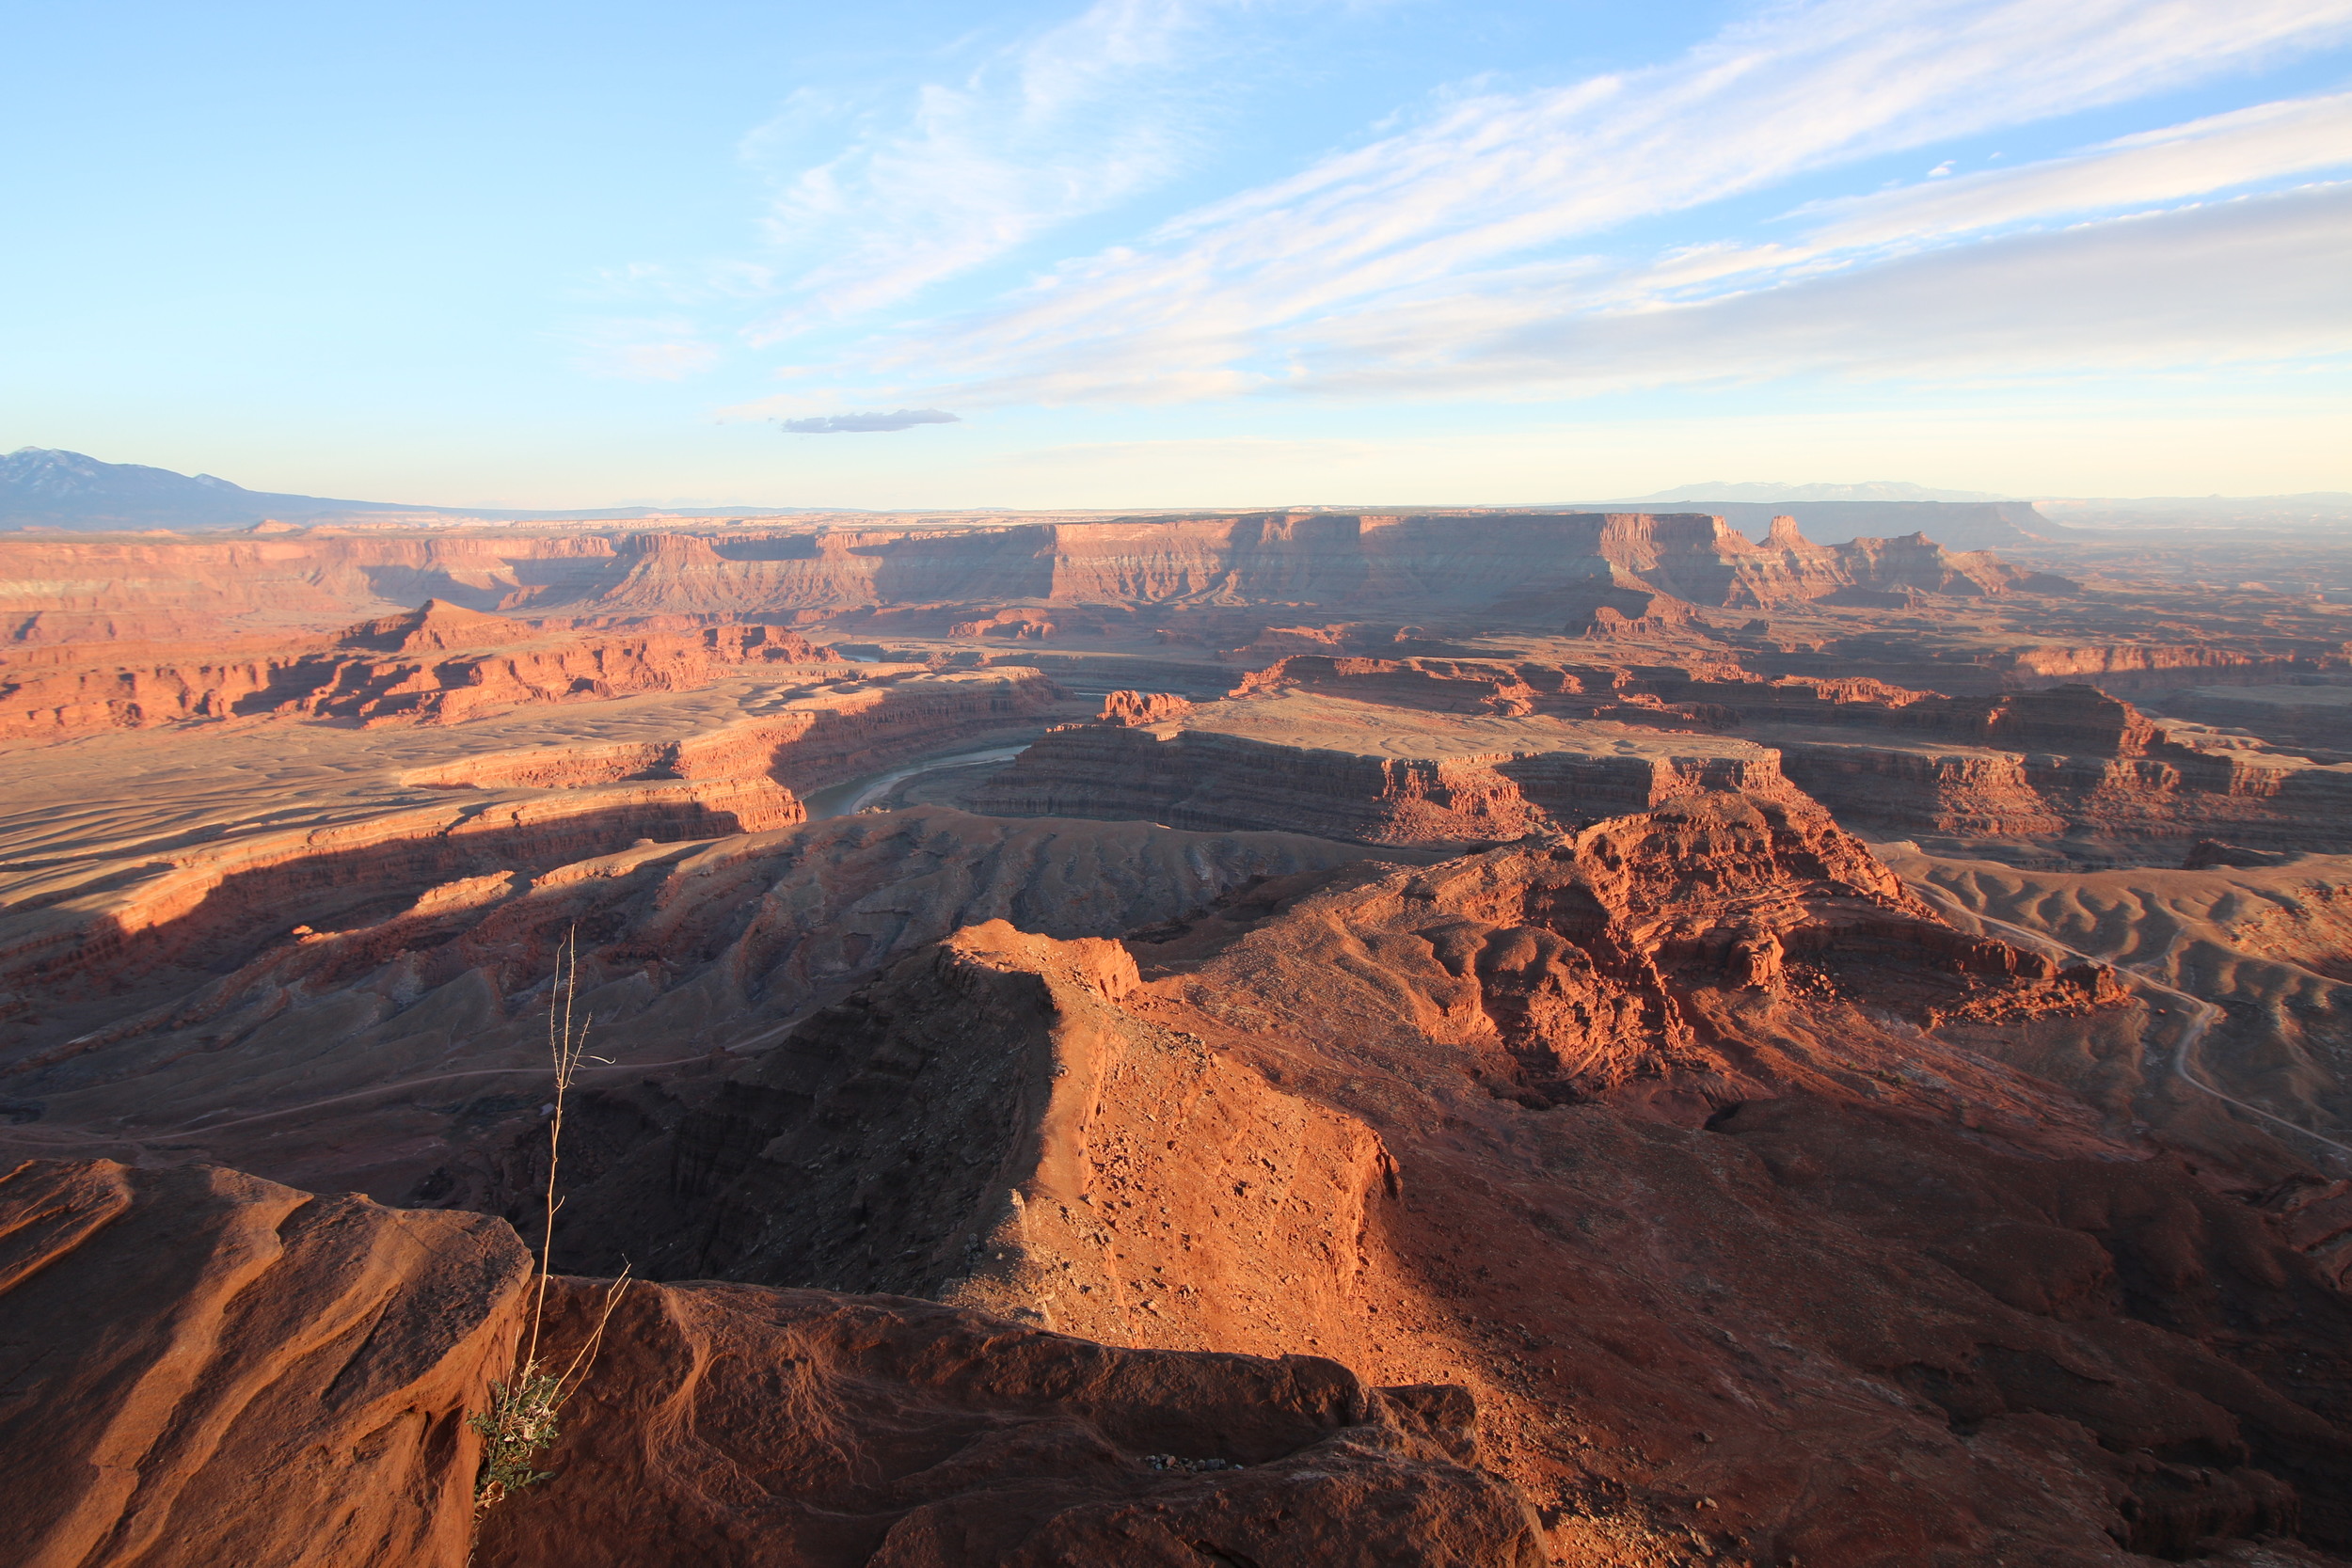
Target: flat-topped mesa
{"type": "Point", "coordinates": [1436, 685]}
{"type": "Point", "coordinates": [1412, 562]}
{"type": "Point", "coordinates": [1376, 774]}
{"type": "Point", "coordinates": [2065, 766]}
{"type": "Point", "coordinates": [1718, 695]}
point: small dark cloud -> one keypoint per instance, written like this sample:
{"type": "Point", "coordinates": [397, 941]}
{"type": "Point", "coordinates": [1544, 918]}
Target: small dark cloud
{"type": "Point", "coordinates": [844, 424]}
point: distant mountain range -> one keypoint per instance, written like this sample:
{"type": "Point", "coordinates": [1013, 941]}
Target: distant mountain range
{"type": "Point", "coordinates": [1780, 490]}
{"type": "Point", "coordinates": [1955, 525]}
{"type": "Point", "coordinates": [41, 487]}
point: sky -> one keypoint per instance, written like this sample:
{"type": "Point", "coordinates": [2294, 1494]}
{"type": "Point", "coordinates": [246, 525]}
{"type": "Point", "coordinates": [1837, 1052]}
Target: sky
{"type": "Point", "coordinates": [1162, 253]}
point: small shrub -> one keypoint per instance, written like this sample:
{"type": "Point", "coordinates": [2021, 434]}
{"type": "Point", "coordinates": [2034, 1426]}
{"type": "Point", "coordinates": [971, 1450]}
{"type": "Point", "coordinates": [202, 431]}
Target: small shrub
{"type": "Point", "coordinates": [520, 1422]}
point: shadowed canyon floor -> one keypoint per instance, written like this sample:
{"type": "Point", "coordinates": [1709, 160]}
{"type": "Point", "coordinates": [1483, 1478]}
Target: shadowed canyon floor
{"type": "Point", "coordinates": [1443, 1038]}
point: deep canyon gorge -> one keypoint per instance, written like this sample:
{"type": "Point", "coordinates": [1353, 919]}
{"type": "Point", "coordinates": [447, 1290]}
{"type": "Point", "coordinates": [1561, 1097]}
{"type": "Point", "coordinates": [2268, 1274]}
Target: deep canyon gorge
{"type": "Point", "coordinates": [1481, 1037]}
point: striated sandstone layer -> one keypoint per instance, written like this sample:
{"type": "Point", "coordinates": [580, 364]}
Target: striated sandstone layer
{"type": "Point", "coordinates": [729, 1425]}
{"type": "Point", "coordinates": [2291, 716]}
{"type": "Point", "coordinates": [230, 1370]}
{"type": "Point", "coordinates": [95, 590]}
{"type": "Point", "coordinates": [181, 856]}
{"type": "Point", "coordinates": [204, 1367]}
{"type": "Point", "coordinates": [811, 735]}
{"type": "Point", "coordinates": [2067, 769]}
{"type": "Point", "coordinates": [214, 903]}
{"type": "Point", "coordinates": [98, 589]}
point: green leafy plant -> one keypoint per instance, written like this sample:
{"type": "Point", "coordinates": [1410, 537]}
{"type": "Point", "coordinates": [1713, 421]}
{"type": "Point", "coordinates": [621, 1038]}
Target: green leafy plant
{"type": "Point", "coordinates": [520, 1421]}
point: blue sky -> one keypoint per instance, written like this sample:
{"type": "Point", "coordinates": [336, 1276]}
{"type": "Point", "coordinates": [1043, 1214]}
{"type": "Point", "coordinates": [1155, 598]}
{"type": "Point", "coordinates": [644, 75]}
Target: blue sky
{"type": "Point", "coordinates": [1189, 252]}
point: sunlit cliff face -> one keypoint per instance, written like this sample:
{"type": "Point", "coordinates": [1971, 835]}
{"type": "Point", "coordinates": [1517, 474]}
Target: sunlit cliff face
{"type": "Point", "coordinates": [1468, 1038]}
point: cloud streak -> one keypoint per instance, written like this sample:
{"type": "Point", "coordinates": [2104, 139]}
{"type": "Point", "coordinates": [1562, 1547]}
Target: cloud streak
{"type": "Point", "coordinates": [2268, 141]}
{"type": "Point", "coordinates": [866, 423]}
{"type": "Point", "coordinates": [2256, 280]}
{"type": "Point", "coordinates": [1465, 222]}
{"type": "Point", "coordinates": [1063, 125]}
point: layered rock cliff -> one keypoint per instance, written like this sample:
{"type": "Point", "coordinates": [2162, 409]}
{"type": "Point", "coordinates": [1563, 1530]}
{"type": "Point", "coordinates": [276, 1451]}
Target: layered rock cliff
{"type": "Point", "coordinates": [437, 664]}
{"type": "Point", "coordinates": [336, 849]}
{"type": "Point", "coordinates": [214, 904]}
{"type": "Point", "coordinates": [181, 588]}
{"type": "Point", "coordinates": [1350, 771]}
{"type": "Point", "coordinates": [815, 736]}
{"type": "Point", "coordinates": [230, 1370]}
{"type": "Point", "coordinates": [2069, 765]}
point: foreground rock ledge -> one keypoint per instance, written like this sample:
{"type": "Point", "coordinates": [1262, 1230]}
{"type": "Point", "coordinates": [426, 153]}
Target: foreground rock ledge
{"type": "Point", "coordinates": [202, 1367]}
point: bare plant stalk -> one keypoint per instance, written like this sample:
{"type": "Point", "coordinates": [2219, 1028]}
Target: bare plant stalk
{"type": "Point", "coordinates": [565, 1049]}
{"type": "Point", "coordinates": [521, 1418]}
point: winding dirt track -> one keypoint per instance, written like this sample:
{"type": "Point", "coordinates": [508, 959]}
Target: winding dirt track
{"type": "Point", "coordinates": [2202, 1017]}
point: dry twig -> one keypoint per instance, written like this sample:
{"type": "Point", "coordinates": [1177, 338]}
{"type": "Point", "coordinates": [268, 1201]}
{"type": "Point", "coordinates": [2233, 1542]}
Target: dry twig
{"type": "Point", "coordinates": [520, 1421]}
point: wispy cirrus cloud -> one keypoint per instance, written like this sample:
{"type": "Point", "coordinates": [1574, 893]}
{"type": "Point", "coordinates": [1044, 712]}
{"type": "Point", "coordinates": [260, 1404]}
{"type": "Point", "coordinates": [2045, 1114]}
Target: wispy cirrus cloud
{"type": "Point", "coordinates": [1482, 217]}
{"type": "Point", "coordinates": [867, 422]}
{"type": "Point", "coordinates": [2267, 141]}
{"type": "Point", "coordinates": [881, 192]}
{"type": "Point", "coordinates": [2255, 279]}
{"type": "Point", "coordinates": [965, 171]}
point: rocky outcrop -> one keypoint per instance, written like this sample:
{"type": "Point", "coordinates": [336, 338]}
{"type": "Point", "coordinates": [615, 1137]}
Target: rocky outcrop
{"type": "Point", "coordinates": [895, 1433]}
{"type": "Point", "coordinates": [2101, 810]}
{"type": "Point", "coordinates": [1436, 686]}
{"type": "Point", "coordinates": [1342, 772]}
{"type": "Point", "coordinates": [1675, 1140]}
{"type": "Point", "coordinates": [1718, 695]}
{"type": "Point", "coordinates": [438, 664]}
{"type": "Point", "coordinates": [211, 1369]}
{"type": "Point", "coordinates": [1054, 1166]}
{"type": "Point", "coordinates": [204, 1367]}
{"type": "Point", "coordinates": [435, 626]}
{"type": "Point", "coordinates": [1690, 1145]}
{"type": "Point", "coordinates": [1141, 707]}
{"type": "Point", "coordinates": [2068, 766]}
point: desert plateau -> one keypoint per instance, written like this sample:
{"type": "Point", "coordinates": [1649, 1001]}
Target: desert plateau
{"type": "Point", "coordinates": [925, 785]}
{"type": "Point", "coordinates": [1487, 1037]}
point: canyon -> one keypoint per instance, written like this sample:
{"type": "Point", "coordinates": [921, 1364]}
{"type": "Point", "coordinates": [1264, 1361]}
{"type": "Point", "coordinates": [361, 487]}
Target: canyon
{"type": "Point", "coordinates": [1479, 1036]}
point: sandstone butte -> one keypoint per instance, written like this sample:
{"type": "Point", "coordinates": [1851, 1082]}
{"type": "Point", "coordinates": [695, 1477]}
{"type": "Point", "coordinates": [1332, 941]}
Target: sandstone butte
{"type": "Point", "coordinates": [1473, 1038]}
